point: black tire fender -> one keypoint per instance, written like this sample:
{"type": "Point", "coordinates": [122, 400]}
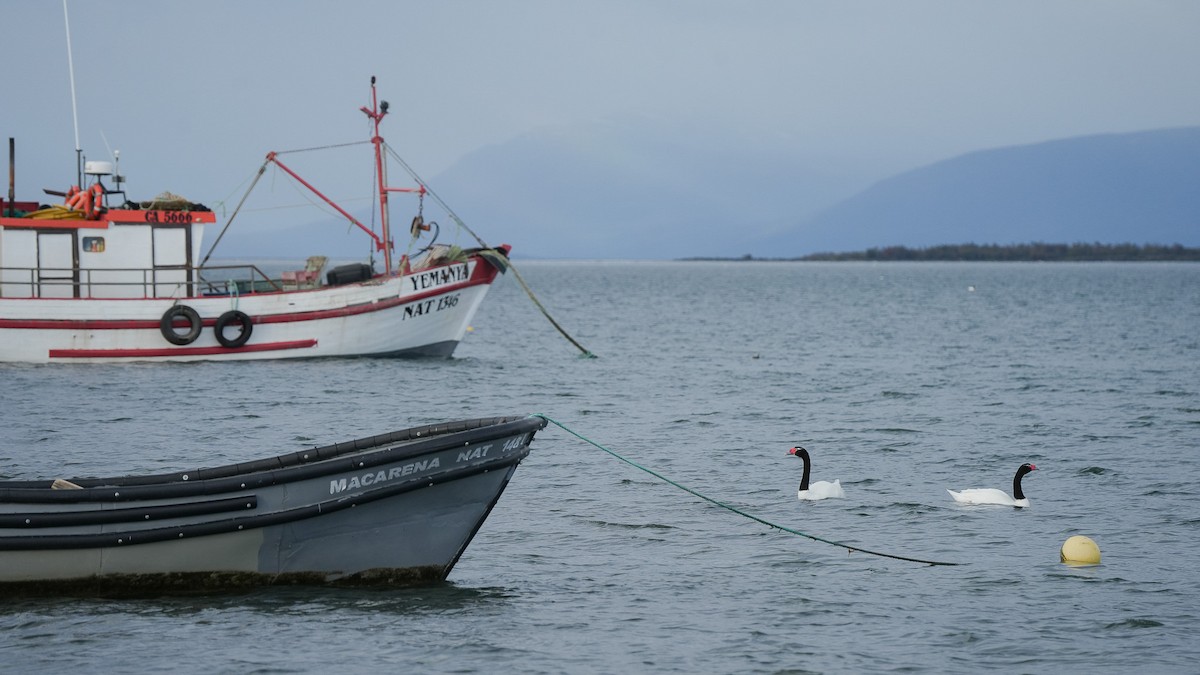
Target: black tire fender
{"type": "Point", "coordinates": [166, 325]}
{"type": "Point", "coordinates": [236, 318]}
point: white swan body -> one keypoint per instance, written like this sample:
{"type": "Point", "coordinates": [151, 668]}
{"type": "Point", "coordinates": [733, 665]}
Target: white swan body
{"type": "Point", "coordinates": [994, 496]}
{"type": "Point", "coordinates": [987, 496]}
{"type": "Point", "coordinates": [821, 489]}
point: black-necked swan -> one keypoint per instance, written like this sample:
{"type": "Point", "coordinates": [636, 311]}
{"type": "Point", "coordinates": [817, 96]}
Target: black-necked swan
{"type": "Point", "coordinates": [994, 496]}
{"type": "Point", "coordinates": [821, 489]}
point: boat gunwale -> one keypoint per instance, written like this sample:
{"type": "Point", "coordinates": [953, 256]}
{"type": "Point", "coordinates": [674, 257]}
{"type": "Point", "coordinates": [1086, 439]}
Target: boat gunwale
{"type": "Point", "coordinates": [367, 304]}
{"type": "Point", "coordinates": [287, 468]}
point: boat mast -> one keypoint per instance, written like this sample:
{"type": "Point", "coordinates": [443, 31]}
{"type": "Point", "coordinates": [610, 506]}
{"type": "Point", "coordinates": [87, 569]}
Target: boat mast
{"type": "Point", "coordinates": [376, 113]}
{"type": "Point", "coordinates": [12, 178]}
{"type": "Point", "coordinates": [74, 108]}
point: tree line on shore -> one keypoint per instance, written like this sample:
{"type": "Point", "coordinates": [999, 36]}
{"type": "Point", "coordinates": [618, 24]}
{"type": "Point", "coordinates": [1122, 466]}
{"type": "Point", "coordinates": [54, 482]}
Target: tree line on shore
{"type": "Point", "coordinates": [1032, 252]}
{"type": "Point", "coordinates": [1036, 251]}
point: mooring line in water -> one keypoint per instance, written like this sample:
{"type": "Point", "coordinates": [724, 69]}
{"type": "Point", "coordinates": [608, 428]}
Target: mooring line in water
{"type": "Point", "coordinates": [584, 353]}
{"type": "Point", "coordinates": [734, 508]}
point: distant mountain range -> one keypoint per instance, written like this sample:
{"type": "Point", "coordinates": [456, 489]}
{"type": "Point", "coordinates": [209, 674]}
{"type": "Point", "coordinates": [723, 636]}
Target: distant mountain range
{"type": "Point", "coordinates": [638, 188]}
{"type": "Point", "coordinates": [642, 192]}
{"type": "Point", "coordinates": [641, 188]}
{"type": "Point", "coordinates": [1141, 188]}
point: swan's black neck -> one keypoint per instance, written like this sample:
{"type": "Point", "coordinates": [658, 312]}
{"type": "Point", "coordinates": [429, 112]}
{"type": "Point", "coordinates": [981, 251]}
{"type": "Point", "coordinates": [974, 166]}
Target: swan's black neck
{"type": "Point", "coordinates": [1017, 494]}
{"type": "Point", "coordinates": [803, 454]}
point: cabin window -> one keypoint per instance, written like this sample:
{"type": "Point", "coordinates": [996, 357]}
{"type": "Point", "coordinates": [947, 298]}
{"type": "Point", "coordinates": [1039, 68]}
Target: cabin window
{"type": "Point", "coordinates": [93, 244]}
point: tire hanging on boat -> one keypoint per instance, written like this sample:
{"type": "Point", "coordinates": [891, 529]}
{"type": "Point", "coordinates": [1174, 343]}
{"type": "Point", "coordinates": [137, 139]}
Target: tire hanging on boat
{"type": "Point", "coordinates": [167, 325]}
{"type": "Point", "coordinates": [238, 318]}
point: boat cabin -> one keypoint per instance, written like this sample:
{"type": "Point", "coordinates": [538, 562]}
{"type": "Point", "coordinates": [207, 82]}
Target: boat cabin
{"type": "Point", "coordinates": [83, 249]}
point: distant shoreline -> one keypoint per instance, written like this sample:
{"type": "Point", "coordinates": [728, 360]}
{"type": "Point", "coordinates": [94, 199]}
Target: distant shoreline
{"type": "Point", "coordinates": [1035, 252]}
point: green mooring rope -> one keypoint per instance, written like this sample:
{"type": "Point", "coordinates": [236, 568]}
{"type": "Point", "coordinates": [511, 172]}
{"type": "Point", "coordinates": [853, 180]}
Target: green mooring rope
{"type": "Point", "coordinates": [732, 508]}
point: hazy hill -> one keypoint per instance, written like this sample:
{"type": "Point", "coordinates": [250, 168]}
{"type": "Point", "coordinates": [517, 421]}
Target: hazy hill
{"type": "Point", "coordinates": [638, 188]}
{"type": "Point", "coordinates": [1136, 187]}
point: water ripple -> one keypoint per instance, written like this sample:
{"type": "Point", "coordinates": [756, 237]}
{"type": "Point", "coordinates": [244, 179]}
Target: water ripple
{"type": "Point", "coordinates": [903, 386]}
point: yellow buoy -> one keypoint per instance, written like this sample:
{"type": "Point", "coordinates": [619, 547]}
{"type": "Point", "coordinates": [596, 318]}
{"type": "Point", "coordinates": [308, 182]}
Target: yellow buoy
{"type": "Point", "coordinates": [1080, 550]}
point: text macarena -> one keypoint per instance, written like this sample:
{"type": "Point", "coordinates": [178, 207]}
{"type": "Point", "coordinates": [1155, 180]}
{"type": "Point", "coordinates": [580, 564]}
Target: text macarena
{"type": "Point", "coordinates": [375, 477]}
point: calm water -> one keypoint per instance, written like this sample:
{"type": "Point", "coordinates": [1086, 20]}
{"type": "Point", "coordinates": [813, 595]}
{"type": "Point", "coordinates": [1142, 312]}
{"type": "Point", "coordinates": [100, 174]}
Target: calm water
{"type": "Point", "coordinates": [902, 380]}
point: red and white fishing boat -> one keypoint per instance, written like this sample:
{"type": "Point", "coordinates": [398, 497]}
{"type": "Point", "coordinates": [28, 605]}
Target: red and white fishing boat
{"type": "Point", "coordinates": [100, 278]}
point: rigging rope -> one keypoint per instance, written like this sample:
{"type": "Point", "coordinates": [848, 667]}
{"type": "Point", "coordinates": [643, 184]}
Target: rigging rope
{"type": "Point", "coordinates": [261, 170]}
{"type": "Point", "coordinates": [733, 508]}
{"type": "Point", "coordinates": [322, 147]}
{"type": "Point", "coordinates": [454, 216]}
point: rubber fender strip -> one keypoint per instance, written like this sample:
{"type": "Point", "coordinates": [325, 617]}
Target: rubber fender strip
{"type": "Point", "coordinates": [126, 515]}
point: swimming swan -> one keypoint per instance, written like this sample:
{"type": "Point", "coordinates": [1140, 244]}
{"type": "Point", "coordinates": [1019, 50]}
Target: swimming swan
{"type": "Point", "coordinates": [819, 490]}
{"type": "Point", "coordinates": [994, 496]}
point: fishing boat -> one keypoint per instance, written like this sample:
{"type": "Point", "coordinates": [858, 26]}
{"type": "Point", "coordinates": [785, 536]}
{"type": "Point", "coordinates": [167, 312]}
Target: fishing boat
{"type": "Point", "coordinates": [103, 278]}
{"type": "Point", "coordinates": [394, 509]}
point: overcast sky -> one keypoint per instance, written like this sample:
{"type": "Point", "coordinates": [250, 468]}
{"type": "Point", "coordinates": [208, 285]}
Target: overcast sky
{"type": "Point", "coordinates": [195, 93]}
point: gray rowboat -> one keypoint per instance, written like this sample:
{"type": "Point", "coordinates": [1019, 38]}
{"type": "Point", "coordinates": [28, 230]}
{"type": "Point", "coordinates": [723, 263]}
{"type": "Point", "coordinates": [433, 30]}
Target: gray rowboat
{"type": "Point", "coordinates": [394, 509]}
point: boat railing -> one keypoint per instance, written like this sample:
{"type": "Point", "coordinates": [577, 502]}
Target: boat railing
{"type": "Point", "coordinates": [235, 280]}
{"type": "Point", "coordinates": [158, 282]}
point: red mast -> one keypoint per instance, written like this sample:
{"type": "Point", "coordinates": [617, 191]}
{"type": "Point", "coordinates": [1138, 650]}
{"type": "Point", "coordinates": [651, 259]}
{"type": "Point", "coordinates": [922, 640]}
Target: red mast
{"type": "Point", "coordinates": [376, 113]}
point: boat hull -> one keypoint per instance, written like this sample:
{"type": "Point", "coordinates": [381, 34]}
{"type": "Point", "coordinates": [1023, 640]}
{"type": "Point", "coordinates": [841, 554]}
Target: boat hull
{"type": "Point", "coordinates": [396, 509]}
{"type": "Point", "coordinates": [425, 313]}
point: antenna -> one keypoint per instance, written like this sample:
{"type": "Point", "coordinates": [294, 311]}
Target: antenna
{"type": "Point", "coordinates": [74, 111]}
{"type": "Point", "coordinates": [116, 155]}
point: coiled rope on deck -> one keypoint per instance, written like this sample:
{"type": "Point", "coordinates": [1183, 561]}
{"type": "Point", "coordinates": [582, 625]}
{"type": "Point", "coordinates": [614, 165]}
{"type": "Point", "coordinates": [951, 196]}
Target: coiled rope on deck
{"type": "Point", "coordinates": [733, 508]}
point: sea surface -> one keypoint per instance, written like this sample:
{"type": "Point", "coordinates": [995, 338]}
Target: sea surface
{"type": "Point", "coordinates": [901, 379]}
